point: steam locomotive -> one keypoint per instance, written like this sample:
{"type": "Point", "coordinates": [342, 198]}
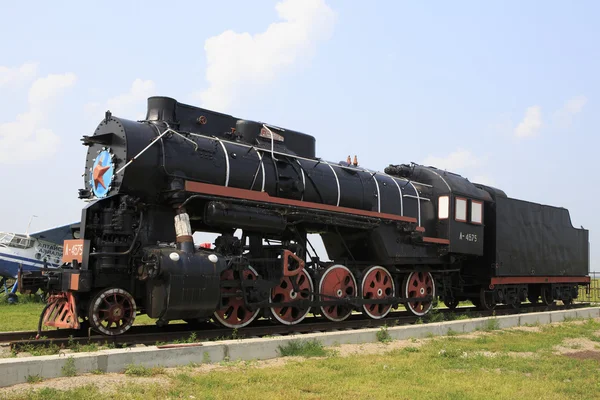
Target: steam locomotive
{"type": "Point", "coordinates": [405, 236]}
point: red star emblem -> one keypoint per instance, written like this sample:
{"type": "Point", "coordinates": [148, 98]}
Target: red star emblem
{"type": "Point", "coordinates": [98, 174]}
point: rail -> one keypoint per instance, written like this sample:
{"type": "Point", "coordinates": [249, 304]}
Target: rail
{"type": "Point", "coordinates": [150, 335]}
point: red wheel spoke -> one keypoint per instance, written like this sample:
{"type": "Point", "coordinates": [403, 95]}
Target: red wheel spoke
{"type": "Point", "coordinates": [377, 285]}
{"type": "Point", "coordinates": [419, 285]}
{"type": "Point", "coordinates": [280, 290]}
{"type": "Point", "coordinates": [234, 313]}
{"type": "Point", "coordinates": [285, 293]}
{"type": "Point", "coordinates": [112, 311]}
{"type": "Point", "coordinates": [337, 283]}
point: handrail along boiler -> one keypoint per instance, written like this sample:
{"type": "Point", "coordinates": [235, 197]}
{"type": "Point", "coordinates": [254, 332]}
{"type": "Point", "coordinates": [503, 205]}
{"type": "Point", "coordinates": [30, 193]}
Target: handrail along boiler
{"type": "Point", "coordinates": [407, 235]}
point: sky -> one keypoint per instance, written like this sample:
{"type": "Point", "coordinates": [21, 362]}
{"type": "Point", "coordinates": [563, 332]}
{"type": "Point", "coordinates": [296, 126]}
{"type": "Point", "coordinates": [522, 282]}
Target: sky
{"type": "Point", "coordinates": [504, 93]}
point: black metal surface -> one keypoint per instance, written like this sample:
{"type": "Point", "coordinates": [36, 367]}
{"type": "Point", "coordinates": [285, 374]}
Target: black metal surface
{"type": "Point", "coordinates": [184, 288]}
{"type": "Point", "coordinates": [224, 174]}
{"type": "Point", "coordinates": [206, 331]}
{"type": "Point", "coordinates": [530, 239]}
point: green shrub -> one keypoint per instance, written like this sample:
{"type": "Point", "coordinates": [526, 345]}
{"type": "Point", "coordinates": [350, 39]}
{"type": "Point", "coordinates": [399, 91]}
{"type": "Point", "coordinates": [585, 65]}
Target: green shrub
{"type": "Point", "coordinates": [304, 348]}
{"type": "Point", "coordinates": [34, 378]}
{"type": "Point", "coordinates": [140, 370]}
{"type": "Point", "coordinates": [69, 368]}
{"type": "Point", "coordinates": [383, 335]}
{"type": "Point", "coordinates": [491, 324]}
{"type": "Point", "coordinates": [411, 349]}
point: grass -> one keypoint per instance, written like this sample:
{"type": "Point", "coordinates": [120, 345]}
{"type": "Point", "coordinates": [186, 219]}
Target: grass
{"type": "Point", "coordinates": [79, 348]}
{"type": "Point", "coordinates": [34, 378]}
{"type": "Point", "coordinates": [491, 324]}
{"type": "Point", "coordinates": [442, 368]}
{"type": "Point", "coordinates": [383, 335]}
{"type": "Point", "coordinates": [24, 315]}
{"type": "Point", "coordinates": [140, 370]}
{"type": "Point", "coordinates": [304, 348]}
{"type": "Point", "coordinates": [69, 368]}
{"type": "Point", "coordinates": [20, 317]}
{"type": "Point", "coordinates": [39, 350]}
{"type": "Point", "coordinates": [23, 298]}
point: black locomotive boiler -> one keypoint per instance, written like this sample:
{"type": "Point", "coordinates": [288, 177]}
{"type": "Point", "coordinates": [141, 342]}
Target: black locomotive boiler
{"type": "Point", "coordinates": [405, 236]}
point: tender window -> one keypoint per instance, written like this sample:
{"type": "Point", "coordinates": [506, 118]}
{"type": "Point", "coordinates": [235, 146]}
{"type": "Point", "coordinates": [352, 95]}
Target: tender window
{"type": "Point", "coordinates": [461, 210]}
{"type": "Point", "coordinates": [476, 212]}
{"type": "Point", "coordinates": [443, 207]}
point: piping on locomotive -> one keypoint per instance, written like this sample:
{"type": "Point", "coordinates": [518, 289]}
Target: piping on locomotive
{"type": "Point", "coordinates": [405, 236]}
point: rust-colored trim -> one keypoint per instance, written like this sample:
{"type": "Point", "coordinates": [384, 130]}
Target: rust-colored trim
{"type": "Point", "coordinates": [62, 311]}
{"type": "Point", "coordinates": [286, 263]}
{"type": "Point", "coordinates": [420, 229]}
{"type": "Point", "coordinates": [184, 239]}
{"type": "Point", "coordinates": [471, 216]}
{"type": "Point", "coordinates": [72, 251]}
{"type": "Point", "coordinates": [245, 194]}
{"type": "Point", "coordinates": [539, 279]}
{"type": "Point", "coordinates": [456, 199]}
{"type": "Point", "coordinates": [436, 240]}
{"type": "Point", "coordinates": [74, 284]}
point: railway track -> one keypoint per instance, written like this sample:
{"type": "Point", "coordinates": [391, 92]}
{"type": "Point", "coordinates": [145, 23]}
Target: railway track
{"type": "Point", "coordinates": [150, 335]}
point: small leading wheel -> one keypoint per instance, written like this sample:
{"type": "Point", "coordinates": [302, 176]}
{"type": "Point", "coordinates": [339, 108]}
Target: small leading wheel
{"type": "Point", "coordinates": [487, 300]}
{"type": "Point", "coordinates": [234, 313]}
{"type": "Point", "coordinates": [415, 285]}
{"type": "Point", "coordinates": [547, 295]}
{"type": "Point", "coordinates": [337, 283]}
{"type": "Point", "coordinates": [377, 284]}
{"type": "Point", "coordinates": [451, 303]}
{"type": "Point", "coordinates": [112, 311]}
{"type": "Point", "coordinates": [284, 293]}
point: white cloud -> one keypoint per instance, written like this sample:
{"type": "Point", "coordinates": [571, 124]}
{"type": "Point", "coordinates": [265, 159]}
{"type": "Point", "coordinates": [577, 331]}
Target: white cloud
{"type": "Point", "coordinates": [575, 104]}
{"type": "Point", "coordinates": [236, 61]}
{"type": "Point", "coordinates": [17, 75]}
{"type": "Point", "coordinates": [27, 138]}
{"type": "Point", "coordinates": [462, 162]}
{"type": "Point", "coordinates": [572, 107]}
{"type": "Point", "coordinates": [531, 124]}
{"type": "Point", "coordinates": [125, 105]}
{"type": "Point", "coordinates": [140, 91]}
{"type": "Point", "coordinates": [454, 162]}
{"type": "Point", "coordinates": [46, 88]}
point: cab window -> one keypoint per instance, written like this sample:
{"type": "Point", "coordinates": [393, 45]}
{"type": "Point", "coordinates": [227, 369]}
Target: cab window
{"type": "Point", "coordinates": [460, 209]}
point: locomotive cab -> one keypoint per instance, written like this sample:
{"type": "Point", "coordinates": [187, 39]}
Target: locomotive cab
{"type": "Point", "coordinates": [463, 219]}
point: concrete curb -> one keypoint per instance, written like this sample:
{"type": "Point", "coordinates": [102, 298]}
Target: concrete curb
{"type": "Point", "coordinates": [13, 371]}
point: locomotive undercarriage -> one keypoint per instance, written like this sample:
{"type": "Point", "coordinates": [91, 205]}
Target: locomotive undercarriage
{"type": "Point", "coordinates": [264, 282]}
{"type": "Point", "coordinates": [251, 288]}
{"type": "Point", "coordinates": [486, 297]}
{"type": "Point", "coordinates": [272, 273]}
